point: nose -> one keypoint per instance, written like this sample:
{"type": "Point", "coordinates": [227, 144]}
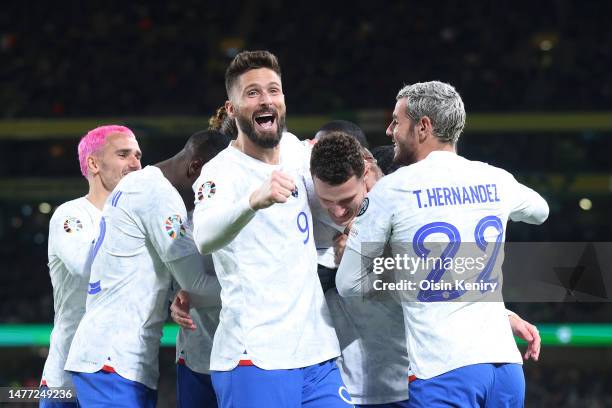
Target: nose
{"type": "Point", "coordinates": [389, 131]}
{"type": "Point", "coordinates": [134, 162]}
{"type": "Point", "coordinates": [265, 98]}
{"type": "Point", "coordinates": [338, 211]}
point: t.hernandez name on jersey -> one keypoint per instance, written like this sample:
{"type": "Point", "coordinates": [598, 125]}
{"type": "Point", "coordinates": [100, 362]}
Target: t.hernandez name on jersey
{"type": "Point", "coordinates": [441, 196]}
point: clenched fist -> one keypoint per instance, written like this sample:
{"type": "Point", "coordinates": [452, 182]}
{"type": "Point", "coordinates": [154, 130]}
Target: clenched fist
{"type": "Point", "coordinates": [274, 190]}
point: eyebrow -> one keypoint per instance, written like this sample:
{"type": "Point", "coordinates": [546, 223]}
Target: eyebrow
{"type": "Point", "coordinates": [264, 86]}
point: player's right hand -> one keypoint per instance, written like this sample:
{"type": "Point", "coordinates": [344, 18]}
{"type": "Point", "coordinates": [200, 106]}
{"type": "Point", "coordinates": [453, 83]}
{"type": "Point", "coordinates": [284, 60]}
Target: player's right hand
{"type": "Point", "coordinates": [179, 311]}
{"type": "Point", "coordinates": [276, 189]}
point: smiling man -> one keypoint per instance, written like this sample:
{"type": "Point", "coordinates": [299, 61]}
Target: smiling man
{"type": "Point", "coordinates": [106, 154]}
{"type": "Point", "coordinates": [460, 345]}
{"type": "Point", "coordinates": [275, 344]}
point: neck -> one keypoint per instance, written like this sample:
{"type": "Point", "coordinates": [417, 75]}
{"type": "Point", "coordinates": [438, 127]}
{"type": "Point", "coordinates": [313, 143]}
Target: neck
{"type": "Point", "coordinates": [444, 147]}
{"type": "Point", "coordinates": [97, 194]}
{"type": "Point", "coordinates": [264, 154]}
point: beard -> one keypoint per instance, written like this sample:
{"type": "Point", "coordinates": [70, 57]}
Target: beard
{"type": "Point", "coordinates": [265, 139]}
{"type": "Point", "coordinates": [404, 157]}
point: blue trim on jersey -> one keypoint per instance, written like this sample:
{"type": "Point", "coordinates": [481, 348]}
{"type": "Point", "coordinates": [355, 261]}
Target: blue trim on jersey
{"type": "Point", "coordinates": [94, 287]}
{"type": "Point", "coordinates": [115, 198]}
{"type": "Point", "coordinates": [100, 238]}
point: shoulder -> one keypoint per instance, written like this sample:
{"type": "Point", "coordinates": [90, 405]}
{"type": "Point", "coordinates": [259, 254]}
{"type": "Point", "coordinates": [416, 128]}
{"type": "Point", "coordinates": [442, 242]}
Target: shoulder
{"type": "Point", "coordinates": [72, 208]}
{"type": "Point", "coordinates": [294, 151]}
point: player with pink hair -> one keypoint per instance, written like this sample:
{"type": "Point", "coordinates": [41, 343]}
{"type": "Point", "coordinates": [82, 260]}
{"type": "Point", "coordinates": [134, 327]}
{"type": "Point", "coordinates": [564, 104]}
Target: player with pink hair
{"type": "Point", "coordinates": [106, 154]}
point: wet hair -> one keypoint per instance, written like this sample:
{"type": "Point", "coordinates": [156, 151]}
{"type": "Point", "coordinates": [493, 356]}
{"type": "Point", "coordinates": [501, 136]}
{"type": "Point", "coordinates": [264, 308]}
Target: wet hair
{"type": "Point", "coordinates": [93, 141]}
{"type": "Point", "coordinates": [336, 157]}
{"type": "Point", "coordinates": [246, 61]}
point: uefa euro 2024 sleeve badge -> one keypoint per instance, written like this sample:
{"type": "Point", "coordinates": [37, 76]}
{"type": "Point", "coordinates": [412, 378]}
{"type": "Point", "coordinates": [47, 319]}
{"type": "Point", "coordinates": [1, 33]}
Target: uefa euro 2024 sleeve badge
{"type": "Point", "coordinates": [72, 224]}
{"type": "Point", "coordinates": [207, 190]}
{"type": "Point", "coordinates": [174, 226]}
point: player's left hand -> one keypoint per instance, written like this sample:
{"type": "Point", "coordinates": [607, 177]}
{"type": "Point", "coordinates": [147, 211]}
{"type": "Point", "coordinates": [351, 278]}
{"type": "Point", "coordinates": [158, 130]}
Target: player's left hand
{"type": "Point", "coordinates": [179, 311]}
{"type": "Point", "coordinates": [529, 333]}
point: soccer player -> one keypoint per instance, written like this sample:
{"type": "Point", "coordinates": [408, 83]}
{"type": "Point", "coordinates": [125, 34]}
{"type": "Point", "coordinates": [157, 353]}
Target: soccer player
{"type": "Point", "coordinates": [197, 328]}
{"type": "Point", "coordinates": [142, 245]}
{"type": "Point", "coordinates": [374, 361]}
{"type": "Point", "coordinates": [461, 352]}
{"type": "Point", "coordinates": [106, 154]}
{"type": "Point", "coordinates": [275, 344]}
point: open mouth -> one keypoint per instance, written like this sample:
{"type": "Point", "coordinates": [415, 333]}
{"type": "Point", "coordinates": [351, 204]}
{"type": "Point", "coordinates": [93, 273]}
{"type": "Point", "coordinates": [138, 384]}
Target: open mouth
{"type": "Point", "coordinates": [266, 121]}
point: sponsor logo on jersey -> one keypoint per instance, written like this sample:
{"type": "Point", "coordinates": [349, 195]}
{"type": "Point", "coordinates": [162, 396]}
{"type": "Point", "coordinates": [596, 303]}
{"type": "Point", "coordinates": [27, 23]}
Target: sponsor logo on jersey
{"type": "Point", "coordinates": [364, 206]}
{"type": "Point", "coordinates": [207, 190]}
{"type": "Point", "coordinates": [72, 224]}
{"type": "Point", "coordinates": [174, 226]}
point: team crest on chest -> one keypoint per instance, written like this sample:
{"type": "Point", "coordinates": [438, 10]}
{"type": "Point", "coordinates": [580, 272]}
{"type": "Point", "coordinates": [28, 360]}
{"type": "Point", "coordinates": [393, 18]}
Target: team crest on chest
{"type": "Point", "coordinates": [295, 192]}
{"type": "Point", "coordinates": [174, 226]}
{"type": "Point", "coordinates": [207, 190]}
{"type": "Point", "coordinates": [72, 224]}
{"type": "Point", "coordinates": [364, 206]}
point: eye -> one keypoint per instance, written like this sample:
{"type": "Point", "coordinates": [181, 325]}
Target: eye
{"type": "Point", "coordinates": [252, 92]}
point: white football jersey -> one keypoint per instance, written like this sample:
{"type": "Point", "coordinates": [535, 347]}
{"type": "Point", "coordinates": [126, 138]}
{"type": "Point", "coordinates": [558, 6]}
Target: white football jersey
{"type": "Point", "coordinates": [373, 361]}
{"type": "Point", "coordinates": [447, 198]}
{"type": "Point", "coordinates": [72, 231]}
{"type": "Point", "coordinates": [141, 233]}
{"type": "Point", "coordinates": [273, 305]}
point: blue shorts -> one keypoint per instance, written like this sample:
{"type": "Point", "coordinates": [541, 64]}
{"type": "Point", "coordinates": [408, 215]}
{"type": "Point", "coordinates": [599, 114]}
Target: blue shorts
{"type": "Point", "coordinates": [315, 386]}
{"type": "Point", "coordinates": [477, 385]}
{"type": "Point", "coordinates": [49, 403]}
{"type": "Point", "coordinates": [103, 389]}
{"type": "Point", "coordinates": [194, 390]}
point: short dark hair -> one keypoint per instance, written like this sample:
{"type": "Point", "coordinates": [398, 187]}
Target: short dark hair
{"type": "Point", "coordinates": [384, 158]}
{"type": "Point", "coordinates": [206, 144]}
{"type": "Point", "coordinates": [337, 157]}
{"type": "Point", "coordinates": [246, 61]}
{"type": "Point", "coordinates": [346, 127]}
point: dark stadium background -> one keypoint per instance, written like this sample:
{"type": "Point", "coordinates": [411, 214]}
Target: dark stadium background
{"type": "Point", "coordinates": [534, 77]}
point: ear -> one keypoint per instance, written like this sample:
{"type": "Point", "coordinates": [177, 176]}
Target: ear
{"type": "Point", "coordinates": [366, 170]}
{"type": "Point", "coordinates": [194, 168]}
{"type": "Point", "coordinates": [229, 108]}
{"type": "Point", "coordinates": [92, 165]}
{"type": "Point", "coordinates": [424, 129]}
